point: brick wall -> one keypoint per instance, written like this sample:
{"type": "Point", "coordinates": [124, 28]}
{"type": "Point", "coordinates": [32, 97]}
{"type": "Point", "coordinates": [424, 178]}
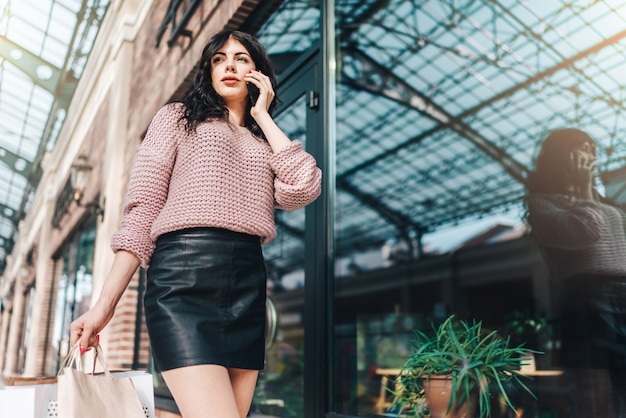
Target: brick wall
{"type": "Point", "coordinates": [159, 75]}
{"type": "Point", "coordinates": [43, 361]}
{"type": "Point", "coordinates": [156, 76]}
{"type": "Point", "coordinates": [122, 330]}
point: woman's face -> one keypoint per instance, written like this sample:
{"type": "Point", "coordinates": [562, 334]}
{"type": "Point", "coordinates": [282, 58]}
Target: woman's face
{"type": "Point", "coordinates": [588, 148]}
{"type": "Point", "coordinates": [228, 66]}
{"type": "Point", "coordinates": [585, 151]}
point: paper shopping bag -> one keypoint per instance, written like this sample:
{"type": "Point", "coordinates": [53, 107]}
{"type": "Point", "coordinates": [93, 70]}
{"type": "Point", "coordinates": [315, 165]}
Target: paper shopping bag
{"type": "Point", "coordinates": [83, 395]}
{"type": "Point", "coordinates": [144, 385]}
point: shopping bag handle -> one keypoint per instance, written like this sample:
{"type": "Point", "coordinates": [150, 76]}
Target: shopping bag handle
{"type": "Point", "coordinates": [74, 359]}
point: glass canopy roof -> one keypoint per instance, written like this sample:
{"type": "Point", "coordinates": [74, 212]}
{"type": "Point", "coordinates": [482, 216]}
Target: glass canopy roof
{"type": "Point", "coordinates": [481, 82]}
{"type": "Point", "coordinates": [44, 45]}
{"type": "Point", "coordinates": [441, 103]}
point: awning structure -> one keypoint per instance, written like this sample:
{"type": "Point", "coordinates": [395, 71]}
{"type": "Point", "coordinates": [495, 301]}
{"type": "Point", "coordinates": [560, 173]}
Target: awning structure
{"type": "Point", "coordinates": [44, 46]}
{"type": "Point", "coordinates": [442, 103]}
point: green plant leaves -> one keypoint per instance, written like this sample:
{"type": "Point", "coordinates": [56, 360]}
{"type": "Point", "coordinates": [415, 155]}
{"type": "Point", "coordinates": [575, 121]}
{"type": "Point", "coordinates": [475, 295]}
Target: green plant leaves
{"type": "Point", "coordinates": [477, 361]}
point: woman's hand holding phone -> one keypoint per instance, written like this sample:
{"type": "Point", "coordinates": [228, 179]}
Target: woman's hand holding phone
{"type": "Point", "coordinates": [253, 92]}
{"type": "Point", "coordinates": [260, 91]}
{"type": "Point", "coordinates": [582, 164]}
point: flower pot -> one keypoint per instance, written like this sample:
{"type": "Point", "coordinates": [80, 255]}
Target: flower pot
{"type": "Point", "coordinates": [438, 390]}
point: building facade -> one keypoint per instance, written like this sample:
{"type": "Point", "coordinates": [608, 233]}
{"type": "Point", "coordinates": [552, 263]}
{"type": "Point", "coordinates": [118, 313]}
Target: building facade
{"type": "Point", "coordinates": [424, 117]}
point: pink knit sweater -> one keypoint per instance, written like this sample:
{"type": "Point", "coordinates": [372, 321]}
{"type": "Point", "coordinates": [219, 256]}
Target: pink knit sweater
{"type": "Point", "coordinates": [220, 176]}
{"type": "Point", "coordinates": [579, 236]}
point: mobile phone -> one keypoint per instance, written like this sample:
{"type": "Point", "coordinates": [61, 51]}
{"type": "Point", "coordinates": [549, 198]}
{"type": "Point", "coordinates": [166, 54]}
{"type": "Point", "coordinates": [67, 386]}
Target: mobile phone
{"type": "Point", "coordinates": [253, 92]}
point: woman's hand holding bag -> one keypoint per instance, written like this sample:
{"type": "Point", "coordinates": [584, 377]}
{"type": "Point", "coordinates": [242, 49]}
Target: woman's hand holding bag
{"type": "Point", "coordinates": [89, 395]}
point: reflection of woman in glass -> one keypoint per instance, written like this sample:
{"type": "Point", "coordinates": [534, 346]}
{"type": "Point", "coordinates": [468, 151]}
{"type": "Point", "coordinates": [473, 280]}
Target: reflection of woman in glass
{"type": "Point", "coordinates": [583, 238]}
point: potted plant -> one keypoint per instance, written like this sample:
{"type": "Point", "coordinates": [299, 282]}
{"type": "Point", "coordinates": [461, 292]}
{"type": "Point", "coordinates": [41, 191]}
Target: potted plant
{"type": "Point", "coordinates": [469, 360]}
{"type": "Point", "coordinates": [532, 329]}
{"type": "Point", "coordinates": [524, 326]}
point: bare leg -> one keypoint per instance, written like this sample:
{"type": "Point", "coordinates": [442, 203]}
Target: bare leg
{"type": "Point", "coordinates": [203, 391]}
{"type": "Point", "coordinates": [243, 383]}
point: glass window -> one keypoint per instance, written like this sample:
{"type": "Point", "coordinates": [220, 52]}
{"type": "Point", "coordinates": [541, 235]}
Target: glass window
{"type": "Point", "coordinates": [280, 387]}
{"type": "Point", "coordinates": [442, 108]}
{"type": "Point", "coordinates": [290, 31]}
{"type": "Point", "coordinates": [74, 288]}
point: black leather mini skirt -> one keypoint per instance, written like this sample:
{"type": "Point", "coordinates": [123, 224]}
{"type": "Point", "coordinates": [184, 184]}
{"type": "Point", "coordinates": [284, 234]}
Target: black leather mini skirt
{"type": "Point", "coordinates": [205, 299]}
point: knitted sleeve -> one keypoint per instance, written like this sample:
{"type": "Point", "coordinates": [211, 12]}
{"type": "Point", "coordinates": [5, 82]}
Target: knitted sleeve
{"type": "Point", "coordinates": [298, 180]}
{"type": "Point", "coordinates": [149, 184]}
{"type": "Point", "coordinates": [565, 223]}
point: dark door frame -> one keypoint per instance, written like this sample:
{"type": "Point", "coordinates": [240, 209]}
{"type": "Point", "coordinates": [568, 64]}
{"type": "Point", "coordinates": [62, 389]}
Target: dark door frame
{"type": "Point", "coordinates": [306, 76]}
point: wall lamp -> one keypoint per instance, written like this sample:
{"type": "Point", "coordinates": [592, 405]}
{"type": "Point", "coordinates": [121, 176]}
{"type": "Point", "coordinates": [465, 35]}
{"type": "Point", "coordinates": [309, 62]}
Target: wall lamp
{"type": "Point", "coordinates": [79, 175]}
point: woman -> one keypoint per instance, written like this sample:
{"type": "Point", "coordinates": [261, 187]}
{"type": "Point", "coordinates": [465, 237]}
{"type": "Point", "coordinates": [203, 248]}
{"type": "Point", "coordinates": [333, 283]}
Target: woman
{"type": "Point", "coordinates": [200, 204]}
{"type": "Point", "coordinates": [583, 238]}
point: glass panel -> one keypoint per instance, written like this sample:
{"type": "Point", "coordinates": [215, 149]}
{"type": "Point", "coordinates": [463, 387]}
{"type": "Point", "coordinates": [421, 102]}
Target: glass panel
{"type": "Point", "coordinates": [40, 40]}
{"type": "Point", "coordinates": [442, 108]}
{"type": "Point", "coordinates": [74, 287]}
{"type": "Point", "coordinates": [290, 31]}
{"type": "Point", "coordinates": [279, 391]}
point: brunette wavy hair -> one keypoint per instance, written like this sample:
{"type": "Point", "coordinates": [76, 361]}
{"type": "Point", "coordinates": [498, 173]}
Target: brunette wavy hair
{"type": "Point", "coordinates": [552, 173]}
{"type": "Point", "coordinates": [202, 102]}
